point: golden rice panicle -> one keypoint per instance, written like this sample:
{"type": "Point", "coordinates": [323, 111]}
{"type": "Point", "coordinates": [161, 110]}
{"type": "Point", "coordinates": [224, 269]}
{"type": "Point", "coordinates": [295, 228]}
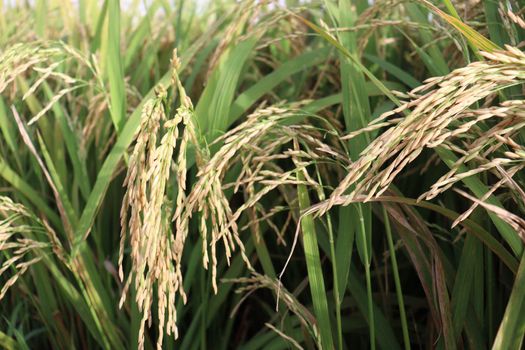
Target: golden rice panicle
{"type": "Point", "coordinates": [149, 230]}
{"type": "Point", "coordinates": [514, 18]}
{"type": "Point", "coordinates": [185, 115]}
{"type": "Point", "coordinates": [208, 198]}
{"type": "Point", "coordinates": [438, 113]}
{"type": "Point", "coordinates": [20, 57]}
{"type": "Point", "coordinates": [256, 144]}
{"type": "Point", "coordinates": [45, 59]}
{"type": "Point", "coordinates": [136, 180]}
{"type": "Point", "coordinates": [156, 252]}
{"type": "Point", "coordinates": [19, 229]}
{"type": "Point", "coordinates": [515, 221]}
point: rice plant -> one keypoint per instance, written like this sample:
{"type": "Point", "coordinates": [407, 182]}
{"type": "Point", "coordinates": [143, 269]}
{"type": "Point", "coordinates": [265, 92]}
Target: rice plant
{"type": "Point", "coordinates": [262, 174]}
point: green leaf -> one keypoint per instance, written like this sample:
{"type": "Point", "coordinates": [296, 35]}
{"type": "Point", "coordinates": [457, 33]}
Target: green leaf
{"type": "Point", "coordinates": [345, 245]}
{"type": "Point", "coordinates": [386, 337]}
{"type": "Point", "coordinates": [512, 328]}
{"type": "Point", "coordinates": [214, 105]}
{"type": "Point", "coordinates": [115, 73]}
{"type": "Point", "coordinates": [397, 72]}
{"type": "Point", "coordinates": [463, 284]}
{"type": "Point", "coordinates": [475, 39]}
{"type": "Point", "coordinates": [270, 81]}
{"type": "Point", "coordinates": [25, 189]}
{"type": "Point", "coordinates": [315, 271]}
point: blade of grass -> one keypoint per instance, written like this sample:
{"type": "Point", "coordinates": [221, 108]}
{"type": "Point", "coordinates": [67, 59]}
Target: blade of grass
{"type": "Point", "coordinates": [397, 72]}
{"type": "Point", "coordinates": [6, 341]}
{"type": "Point", "coordinates": [337, 276]}
{"type": "Point", "coordinates": [270, 81]}
{"type": "Point", "coordinates": [345, 246]}
{"type": "Point", "coordinates": [512, 328]}
{"type": "Point", "coordinates": [139, 36]}
{"type": "Point", "coordinates": [463, 284]}
{"type": "Point", "coordinates": [72, 217]}
{"type": "Point", "coordinates": [397, 281]}
{"type": "Point", "coordinates": [315, 272]}
{"type": "Point", "coordinates": [325, 35]}
{"type": "Point", "coordinates": [494, 23]}
{"type": "Point", "coordinates": [76, 300]}
{"type": "Point", "coordinates": [477, 40]}
{"type": "Point", "coordinates": [387, 338]}
{"type": "Point", "coordinates": [72, 146]}
{"type": "Point", "coordinates": [40, 17]}
{"type": "Point", "coordinates": [96, 42]}
{"type": "Point", "coordinates": [31, 194]}
{"type": "Point", "coordinates": [506, 257]}
{"type": "Point", "coordinates": [8, 130]}
{"type": "Point", "coordinates": [357, 114]}
{"type": "Point", "coordinates": [215, 102]}
{"type": "Point", "coordinates": [115, 73]}
{"type": "Point", "coordinates": [433, 52]}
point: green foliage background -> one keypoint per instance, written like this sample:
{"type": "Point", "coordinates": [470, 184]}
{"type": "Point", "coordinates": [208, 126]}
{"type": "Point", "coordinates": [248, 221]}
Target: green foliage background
{"type": "Point", "coordinates": [390, 273]}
